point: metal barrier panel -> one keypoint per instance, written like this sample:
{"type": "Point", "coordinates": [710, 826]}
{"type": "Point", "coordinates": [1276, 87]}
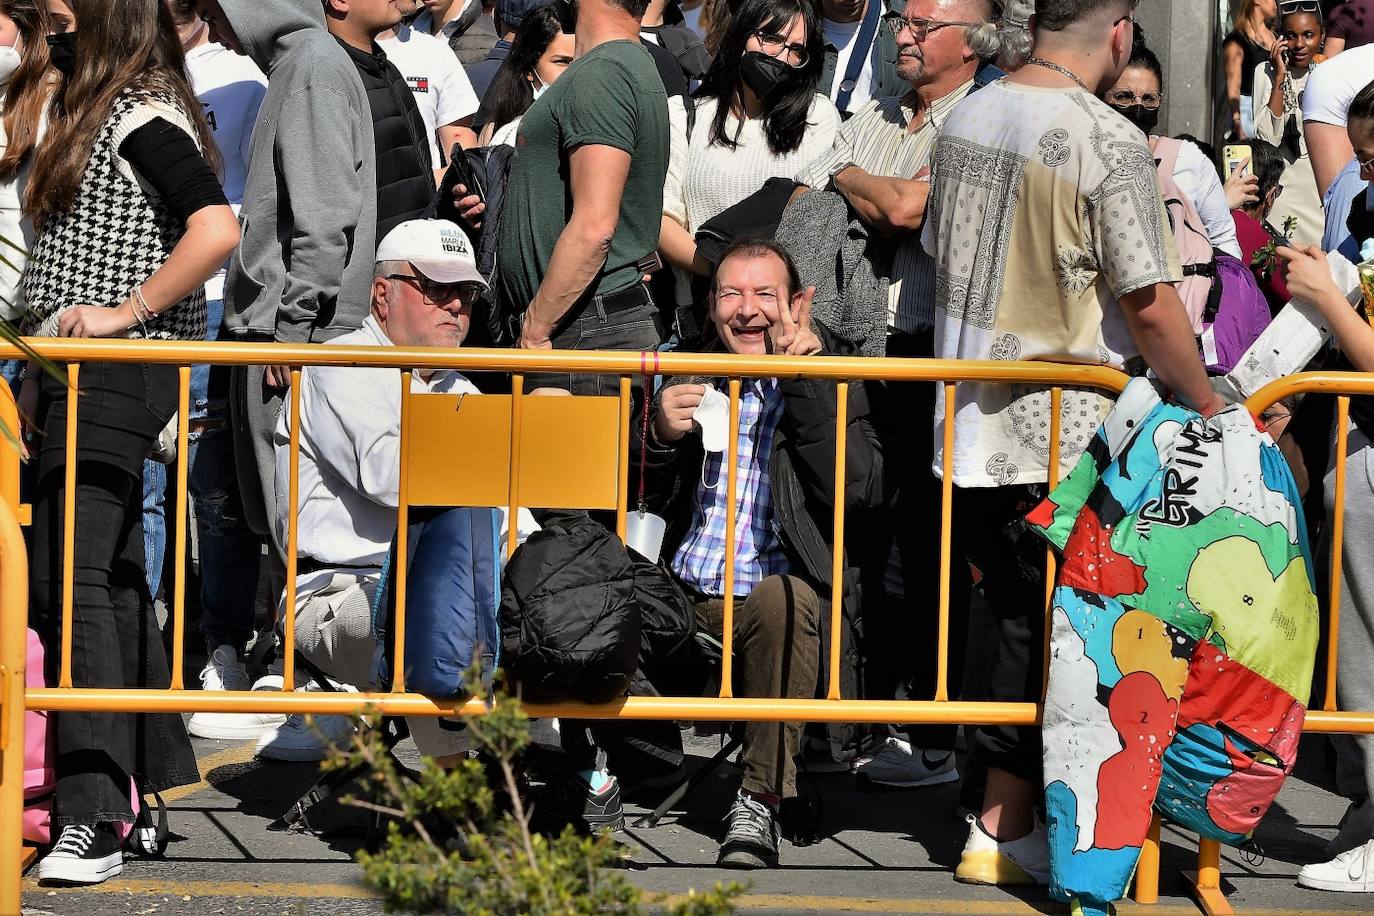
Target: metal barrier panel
{"type": "Point", "coordinates": [938, 710]}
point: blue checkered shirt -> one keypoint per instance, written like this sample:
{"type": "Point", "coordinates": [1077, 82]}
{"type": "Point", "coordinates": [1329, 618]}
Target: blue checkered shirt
{"type": "Point", "coordinates": [700, 560]}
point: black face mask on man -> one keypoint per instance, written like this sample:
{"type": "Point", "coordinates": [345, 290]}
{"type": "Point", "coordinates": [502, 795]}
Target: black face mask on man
{"type": "Point", "coordinates": [62, 49]}
{"type": "Point", "coordinates": [763, 74]}
{"type": "Point", "coordinates": [1147, 119]}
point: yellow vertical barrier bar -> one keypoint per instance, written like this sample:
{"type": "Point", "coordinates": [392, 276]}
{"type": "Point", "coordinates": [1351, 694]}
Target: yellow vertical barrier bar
{"type": "Point", "coordinates": [1205, 885]}
{"type": "Point", "coordinates": [179, 582]}
{"type": "Point", "coordinates": [1051, 567]}
{"type": "Point", "coordinates": [727, 625]}
{"type": "Point", "coordinates": [946, 546]}
{"type": "Point", "coordinates": [517, 418]}
{"type": "Point", "coordinates": [1337, 543]}
{"type": "Point", "coordinates": [622, 494]}
{"type": "Point", "coordinates": [293, 510]}
{"type": "Point", "coordinates": [9, 459]}
{"type": "Point", "coordinates": [837, 552]}
{"type": "Point", "coordinates": [398, 571]}
{"type": "Point", "coordinates": [14, 600]}
{"type": "Point", "coordinates": [64, 675]}
{"type": "Point", "coordinates": [1147, 869]}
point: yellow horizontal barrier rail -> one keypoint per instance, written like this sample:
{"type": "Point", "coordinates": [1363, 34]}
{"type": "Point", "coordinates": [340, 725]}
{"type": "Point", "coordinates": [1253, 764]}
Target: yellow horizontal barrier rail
{"type": "Point", "coordinates": [1054, 377]}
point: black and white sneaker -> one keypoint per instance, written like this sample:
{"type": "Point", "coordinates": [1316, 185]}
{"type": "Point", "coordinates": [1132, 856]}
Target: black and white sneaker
{"type": "Point", "coordinates": [587, 804]}
{"type": "Point", "coordinates": [751, 834]}
{"type": "Point", "coordinates": [82, 855]}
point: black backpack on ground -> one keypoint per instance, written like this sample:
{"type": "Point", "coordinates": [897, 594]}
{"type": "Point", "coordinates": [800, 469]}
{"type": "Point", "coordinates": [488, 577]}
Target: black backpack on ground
{"type": "Point", "coordinates": [570, 623]}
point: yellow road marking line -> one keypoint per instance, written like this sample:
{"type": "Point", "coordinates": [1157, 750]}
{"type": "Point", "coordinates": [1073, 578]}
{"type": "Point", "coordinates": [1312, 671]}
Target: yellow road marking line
{"type": "Point", "coordinates": [239, 753]}
{"type": "Point", "coordinates": [792, 902]}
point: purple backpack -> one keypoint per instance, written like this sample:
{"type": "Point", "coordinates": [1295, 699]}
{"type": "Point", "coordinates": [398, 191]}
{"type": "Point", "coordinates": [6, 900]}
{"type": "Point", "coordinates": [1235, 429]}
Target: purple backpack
{"type": "Point", "coordinates": [1235, 315]}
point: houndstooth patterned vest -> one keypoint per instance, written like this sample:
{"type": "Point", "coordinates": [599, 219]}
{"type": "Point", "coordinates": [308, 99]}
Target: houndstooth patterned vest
{"type": "Point", "coordinates": [116, 233]}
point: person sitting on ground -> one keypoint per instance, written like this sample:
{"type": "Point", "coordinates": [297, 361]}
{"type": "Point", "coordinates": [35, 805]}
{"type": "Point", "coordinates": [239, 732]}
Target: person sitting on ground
{"type": "Point", "coordinates": [782, 575]}
{"type": "Point", "coordinates": [425, 284]}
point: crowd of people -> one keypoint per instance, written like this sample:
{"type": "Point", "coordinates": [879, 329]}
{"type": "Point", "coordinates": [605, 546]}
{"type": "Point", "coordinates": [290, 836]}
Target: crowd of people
{"type": "Point", "coordinates": [961, 179]}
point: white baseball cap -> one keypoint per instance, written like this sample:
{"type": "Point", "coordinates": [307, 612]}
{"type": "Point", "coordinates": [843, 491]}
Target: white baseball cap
{"type": "Point", "coordinates": [437, 248]}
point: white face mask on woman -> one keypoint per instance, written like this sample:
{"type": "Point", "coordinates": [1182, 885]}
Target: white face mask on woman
{"type": "Point", "coordinates": [540, 87]}
{"type": "Point", "coordinates": [9, 62]}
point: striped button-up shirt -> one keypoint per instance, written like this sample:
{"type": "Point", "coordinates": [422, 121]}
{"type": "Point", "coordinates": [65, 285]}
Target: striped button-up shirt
{"type": "Point", "coordinates": [700, 560]}
{"type": "Point", "coordinates": [877, 140]}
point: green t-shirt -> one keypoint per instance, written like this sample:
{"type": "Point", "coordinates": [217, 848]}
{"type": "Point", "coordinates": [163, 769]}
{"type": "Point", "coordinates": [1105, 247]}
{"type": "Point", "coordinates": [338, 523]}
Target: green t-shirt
{"type": "Point", "coordinates": [612, 96]}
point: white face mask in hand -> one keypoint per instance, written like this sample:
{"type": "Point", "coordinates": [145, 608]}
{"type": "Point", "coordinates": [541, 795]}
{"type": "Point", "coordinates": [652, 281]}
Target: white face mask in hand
{"type": "Point", "coordinates": [9, 62]}
{"type": "Point", "coordinates": [713, 416]}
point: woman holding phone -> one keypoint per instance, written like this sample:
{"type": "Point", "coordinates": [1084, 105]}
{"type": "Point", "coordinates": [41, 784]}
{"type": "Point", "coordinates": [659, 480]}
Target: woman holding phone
{"type": "Point", "coordinates": [1279, 85]}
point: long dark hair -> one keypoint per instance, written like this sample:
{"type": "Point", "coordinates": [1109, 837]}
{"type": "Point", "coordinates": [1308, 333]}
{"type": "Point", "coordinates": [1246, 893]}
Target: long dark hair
{"type": "Point", "coordinates": [510, 94]}
{"type": "Point", "coordinates": [784, 118]}
{"type": "Point", "coordinates": [120, 45]}
{"type": "Point", "coordinates": [29, 88]}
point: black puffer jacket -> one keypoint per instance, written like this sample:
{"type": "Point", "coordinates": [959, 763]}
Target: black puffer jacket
{"type": "Point", "coordinates": [405, 175]}
{"type": "Point", "coordinates": [802, 475]}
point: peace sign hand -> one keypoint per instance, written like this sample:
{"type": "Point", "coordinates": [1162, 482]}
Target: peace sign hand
{"type": "Point", "coordinates": [795, 337]}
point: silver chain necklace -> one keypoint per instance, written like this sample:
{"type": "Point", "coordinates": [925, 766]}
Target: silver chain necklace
{"type": "Point", "coordinates": [1051, 65]}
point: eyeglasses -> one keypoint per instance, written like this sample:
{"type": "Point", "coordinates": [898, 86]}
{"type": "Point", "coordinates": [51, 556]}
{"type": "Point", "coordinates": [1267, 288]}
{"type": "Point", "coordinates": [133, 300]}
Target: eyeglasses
{"type": "Point", "coordinates": [1124, 97]}
{"type": "Point", "coordinates": [1299, 6]}
{"type": "Point", "coordinates": [920, 27]}
{"type": "Point", "coordinates": [775, 45]}
{"type": "Point", "coordinates": [440, 293]}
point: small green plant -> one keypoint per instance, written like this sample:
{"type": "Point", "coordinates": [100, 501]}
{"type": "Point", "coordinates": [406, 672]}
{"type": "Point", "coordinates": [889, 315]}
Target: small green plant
{"type": "Point", "coordinates": [459, 839]}
{"type": "Point", "coordinates": [1266, 259]}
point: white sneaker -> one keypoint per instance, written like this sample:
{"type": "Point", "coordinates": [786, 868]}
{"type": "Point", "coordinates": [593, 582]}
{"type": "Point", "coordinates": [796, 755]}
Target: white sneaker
{"type": "Point", "coordinates": [900, 765]}
{"type": "Point", "coordinates": [224, 671]}
{"type": "Point", "coordinates": [1352, 872]}
{"type": "Point", "coordinates": [298, 741]}
{"type": "Point", "coordinates": [1019, 862]}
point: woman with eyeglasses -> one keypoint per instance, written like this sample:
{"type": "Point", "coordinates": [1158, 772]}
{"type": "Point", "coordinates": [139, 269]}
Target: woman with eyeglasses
{"type": "Point", "coordinates": [1137, 95]}
{"type": "Point", "coordinates": [1279, 85]}
{"type": "Point", "coordinates": [756, 116]}
{"type": "Point", "coordinates": [1244, 49]}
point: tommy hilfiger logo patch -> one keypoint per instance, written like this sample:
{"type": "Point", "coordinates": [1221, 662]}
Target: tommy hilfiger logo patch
{"type": "Point", "coordinates": [418, 83]}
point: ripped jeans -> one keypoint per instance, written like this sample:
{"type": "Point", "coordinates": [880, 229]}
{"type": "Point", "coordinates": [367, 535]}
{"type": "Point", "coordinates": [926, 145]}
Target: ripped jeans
{"type": "Point", "coordinates": [230, 553]}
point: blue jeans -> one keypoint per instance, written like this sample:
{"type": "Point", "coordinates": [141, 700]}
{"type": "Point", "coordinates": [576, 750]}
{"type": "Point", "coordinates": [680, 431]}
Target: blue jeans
{"type": "Point", "coordinates": [155, 474]}
{"type": "Point", "coordinates": [230, 553]}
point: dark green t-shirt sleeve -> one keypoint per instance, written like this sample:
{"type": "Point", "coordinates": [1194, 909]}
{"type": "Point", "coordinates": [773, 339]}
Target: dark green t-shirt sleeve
{"type": "Point", "coordinates": [603, 111]}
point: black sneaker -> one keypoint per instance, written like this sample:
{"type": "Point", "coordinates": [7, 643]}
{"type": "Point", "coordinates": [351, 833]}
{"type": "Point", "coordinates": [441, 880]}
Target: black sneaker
{"type": "Point", "coordinates": [82, 855]}
{"type": "Point", "coordinates": [569, 799]}
{"type": "Point", "coordinates": [751, 835]}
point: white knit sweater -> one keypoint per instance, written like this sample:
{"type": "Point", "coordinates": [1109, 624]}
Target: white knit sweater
{"type": "Point", "coordinates": [705, 179]}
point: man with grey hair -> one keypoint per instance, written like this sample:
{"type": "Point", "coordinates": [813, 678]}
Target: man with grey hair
{"type": "Point", "coordinates": [425, 285]}
{"type": "Point", "coordinates": [880, 164]}
{"type": "Point", "coordinates": [1051, 243]}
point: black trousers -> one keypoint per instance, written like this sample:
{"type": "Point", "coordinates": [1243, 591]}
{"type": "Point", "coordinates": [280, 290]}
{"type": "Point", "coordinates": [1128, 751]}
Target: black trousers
{"type": "Point", "coordinates": [115, 638]}
{"type": "Point", "coordinates": [991, 532]}
{"type": "Point", "coordinates": [902, 627]}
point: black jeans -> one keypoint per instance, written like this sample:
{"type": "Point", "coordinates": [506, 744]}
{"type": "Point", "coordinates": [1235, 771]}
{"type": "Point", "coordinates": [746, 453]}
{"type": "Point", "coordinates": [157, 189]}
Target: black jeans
{"type": "Point", "coordinates": [902, 630]}
{"type": "Point", "coordinates": [115, 637]}
{"type": "Point", "coordinates": [636, 328]}
{"type": "Point", "coordinates": [991, 532]}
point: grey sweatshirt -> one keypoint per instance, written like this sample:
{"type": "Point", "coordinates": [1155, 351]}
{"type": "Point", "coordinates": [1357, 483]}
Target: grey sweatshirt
{"type": "Point", "coordinates": [303, 271]}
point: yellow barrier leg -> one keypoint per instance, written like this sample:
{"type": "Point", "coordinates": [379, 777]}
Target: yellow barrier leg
{"type": "Point", "coordinates": [1147, 869]}
{"type": "Point", "coordinates": [1204, 885]}
{"type": "Point", "coordinates": [14, 587]}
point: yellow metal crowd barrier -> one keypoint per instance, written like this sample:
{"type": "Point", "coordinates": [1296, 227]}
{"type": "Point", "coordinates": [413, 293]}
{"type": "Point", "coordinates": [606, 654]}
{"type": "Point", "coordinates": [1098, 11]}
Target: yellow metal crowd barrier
{"type": "Point", "coordinates": [510, 439]}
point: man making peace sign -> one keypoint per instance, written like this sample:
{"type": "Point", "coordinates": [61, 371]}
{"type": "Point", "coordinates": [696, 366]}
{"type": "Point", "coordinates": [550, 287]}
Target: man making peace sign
{"type": "Point", "coordinates": [784, 498]}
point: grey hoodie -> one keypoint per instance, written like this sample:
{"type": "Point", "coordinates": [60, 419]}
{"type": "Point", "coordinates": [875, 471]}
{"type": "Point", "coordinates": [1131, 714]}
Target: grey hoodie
{"type": "Point", "coordinates": [303, 271]}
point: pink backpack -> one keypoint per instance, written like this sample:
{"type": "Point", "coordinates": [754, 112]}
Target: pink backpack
{"type": "Point", "coordinates": [1190, 235]}
{"type": "Point", "coordinates": [40, 777]}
